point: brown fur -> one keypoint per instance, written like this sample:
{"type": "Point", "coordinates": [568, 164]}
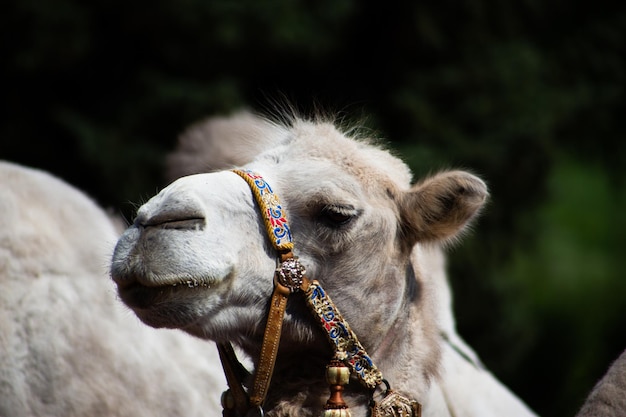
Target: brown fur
{"type": "Point", "coordinates": [437, 208]}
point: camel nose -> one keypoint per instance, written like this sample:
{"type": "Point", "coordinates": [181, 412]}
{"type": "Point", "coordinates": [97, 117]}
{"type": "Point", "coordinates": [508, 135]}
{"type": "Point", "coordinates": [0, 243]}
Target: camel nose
{"type": "Point", "coordinates": [171, 213]}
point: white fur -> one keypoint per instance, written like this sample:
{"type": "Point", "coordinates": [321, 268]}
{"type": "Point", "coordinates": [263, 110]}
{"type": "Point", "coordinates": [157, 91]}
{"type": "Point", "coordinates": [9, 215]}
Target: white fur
{"type": "Point", "coordinates": [67, 346]}
{"type": "Point", "coordinates": [207, 227]}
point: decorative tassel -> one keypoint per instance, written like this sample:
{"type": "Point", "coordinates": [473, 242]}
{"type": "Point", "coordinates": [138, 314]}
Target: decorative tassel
{"type": "Point", "coordinates": [337, 375]}
{"type": "Point", "coordinates": [394, 405]}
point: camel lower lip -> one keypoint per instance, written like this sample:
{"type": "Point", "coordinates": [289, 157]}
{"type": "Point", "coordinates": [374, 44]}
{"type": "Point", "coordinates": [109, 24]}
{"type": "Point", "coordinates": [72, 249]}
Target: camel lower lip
{"type": "Point", "coordinates": [138, 296]}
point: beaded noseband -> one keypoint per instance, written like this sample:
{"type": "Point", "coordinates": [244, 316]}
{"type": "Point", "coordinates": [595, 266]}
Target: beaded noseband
{"type": "Point", "coordinates": [350, 357]}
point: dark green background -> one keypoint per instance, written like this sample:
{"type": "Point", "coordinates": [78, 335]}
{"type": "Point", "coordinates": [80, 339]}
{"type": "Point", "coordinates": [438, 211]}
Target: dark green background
{"type": "Point", "coordinates": [527, 94]}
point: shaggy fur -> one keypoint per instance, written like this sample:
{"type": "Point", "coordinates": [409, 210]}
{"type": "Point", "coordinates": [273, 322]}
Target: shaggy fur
{"type": "Point", "coordinates": [67, 346]}
{"type": "Point", "coordinates": [360, 228]}
{"type": "Point", "coordinates": [608, 397]}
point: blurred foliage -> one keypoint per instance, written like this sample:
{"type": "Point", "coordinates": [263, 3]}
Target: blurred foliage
{"type": "Point", "coordinates": [527, 94]}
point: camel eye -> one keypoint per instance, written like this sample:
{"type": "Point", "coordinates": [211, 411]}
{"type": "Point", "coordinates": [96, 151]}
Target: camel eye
{"type": "Point", "coordinates": [337, 216]}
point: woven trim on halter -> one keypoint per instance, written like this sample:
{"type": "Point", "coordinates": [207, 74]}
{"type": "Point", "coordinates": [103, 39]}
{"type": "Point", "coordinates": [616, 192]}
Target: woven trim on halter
{"type": "Point", "coordinates": [344, 341]}
{"type": "Point", "coordinates": [273, 213]}
{"type": "Point", "coordinates": [349, 353]}
{"type": "Point", "coordinates": [347, 347]}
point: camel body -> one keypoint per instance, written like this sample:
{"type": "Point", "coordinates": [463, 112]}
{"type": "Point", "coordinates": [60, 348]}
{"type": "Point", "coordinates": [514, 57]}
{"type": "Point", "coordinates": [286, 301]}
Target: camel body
{"type": "Point", "coordinates": [68, 347]}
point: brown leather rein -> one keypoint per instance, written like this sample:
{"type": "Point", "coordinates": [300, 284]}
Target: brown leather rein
{"type": "Point", "coordinates": [350, 357]}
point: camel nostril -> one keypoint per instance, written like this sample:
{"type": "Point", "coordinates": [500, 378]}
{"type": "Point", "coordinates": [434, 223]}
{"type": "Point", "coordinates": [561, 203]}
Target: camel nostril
{"type": "Point", "coordinates": [191, 223]}
{"type": "Point", "coordinates": [174, 214]}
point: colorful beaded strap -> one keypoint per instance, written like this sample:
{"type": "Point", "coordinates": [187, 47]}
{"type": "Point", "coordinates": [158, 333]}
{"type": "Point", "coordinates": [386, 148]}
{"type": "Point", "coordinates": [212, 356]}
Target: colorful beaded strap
{"type": "Point", "coordinates": [349, 353]}
{"type": "Point", "coordinates": [346, 344]}
{"type": "Point", "coordinates": [273, 213]}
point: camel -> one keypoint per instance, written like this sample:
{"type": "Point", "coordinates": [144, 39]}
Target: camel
{"type": "Point", "coordinates": [68, 347]}
{"type": "Point", "coordinates": [198, 258]}
{"type": "Point", "coordinates": [608, 397]}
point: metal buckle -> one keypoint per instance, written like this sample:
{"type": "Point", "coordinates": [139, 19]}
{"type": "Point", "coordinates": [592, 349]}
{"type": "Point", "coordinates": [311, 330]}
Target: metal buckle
{"type": "Point", "coordinates": [290, 273]}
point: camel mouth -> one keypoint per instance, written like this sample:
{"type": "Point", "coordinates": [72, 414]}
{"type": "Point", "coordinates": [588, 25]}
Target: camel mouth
{"type": "Point", "coordinates": [139, 296]}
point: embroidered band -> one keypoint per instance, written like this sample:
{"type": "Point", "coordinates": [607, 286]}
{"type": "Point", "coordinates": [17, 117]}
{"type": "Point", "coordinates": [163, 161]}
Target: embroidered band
{"type": "Point", "coordinates": [347, 346]}
{"type": "Point", "coordinates": [273, 213]}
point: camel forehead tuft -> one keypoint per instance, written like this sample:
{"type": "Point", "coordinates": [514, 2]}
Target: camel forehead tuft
{"type": "Point", "coordinates": [315, 141]}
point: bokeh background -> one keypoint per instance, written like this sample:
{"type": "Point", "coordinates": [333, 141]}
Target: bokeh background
{"type": "Point", "coordinates": [529, 94]}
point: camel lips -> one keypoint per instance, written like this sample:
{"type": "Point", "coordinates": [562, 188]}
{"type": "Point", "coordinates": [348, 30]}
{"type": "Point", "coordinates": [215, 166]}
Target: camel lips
{"type": "Point", "coordinates": [192, 283]}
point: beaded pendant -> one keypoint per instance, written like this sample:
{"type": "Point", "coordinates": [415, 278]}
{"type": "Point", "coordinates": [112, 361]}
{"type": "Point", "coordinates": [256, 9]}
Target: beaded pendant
{"type": "Point", "coordinates": [337, 375]}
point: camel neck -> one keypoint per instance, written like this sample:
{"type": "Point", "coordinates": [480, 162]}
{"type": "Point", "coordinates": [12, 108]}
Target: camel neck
{"type": "Point", "coordinates": [396, 332]}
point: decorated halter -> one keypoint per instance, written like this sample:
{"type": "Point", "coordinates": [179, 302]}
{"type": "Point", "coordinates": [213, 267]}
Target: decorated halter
{"type": "Point", "coordinates": [350, 358]}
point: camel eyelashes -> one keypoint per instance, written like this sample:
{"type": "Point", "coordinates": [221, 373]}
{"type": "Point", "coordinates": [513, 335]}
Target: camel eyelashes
{"type": "Point", "coordinates": [337, 216]}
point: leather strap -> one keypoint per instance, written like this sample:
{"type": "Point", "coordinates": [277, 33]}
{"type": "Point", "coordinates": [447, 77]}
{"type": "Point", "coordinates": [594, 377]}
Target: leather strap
{"type": "Point", "coordinates": [280, 236]}
{"type": "Point", "coordinates": [235, 375]}
{"type": "Point", "coordinates": [269, 348]}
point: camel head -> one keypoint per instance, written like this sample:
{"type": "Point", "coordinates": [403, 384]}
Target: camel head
{"type": "Point", "coordinates": [198, 257]}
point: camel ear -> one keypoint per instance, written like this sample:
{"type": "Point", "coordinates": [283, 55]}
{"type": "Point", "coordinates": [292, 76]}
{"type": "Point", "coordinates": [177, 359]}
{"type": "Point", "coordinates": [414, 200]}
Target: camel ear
{"type": "Point", "coordinates": [440, 208]}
